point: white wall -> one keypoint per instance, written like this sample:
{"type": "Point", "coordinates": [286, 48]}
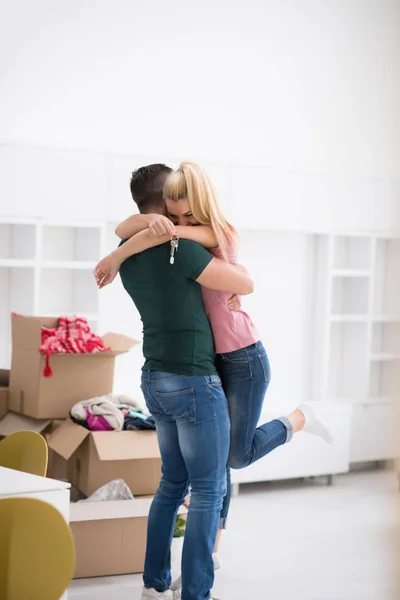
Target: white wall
{"type": "Point", "coordinates": [305, 85]}
{"type": "Point", "coordinates": [291, 105]}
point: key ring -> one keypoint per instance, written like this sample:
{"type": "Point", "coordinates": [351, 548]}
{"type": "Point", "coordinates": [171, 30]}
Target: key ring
{"type": "Point", "coordinates": [174, 243]}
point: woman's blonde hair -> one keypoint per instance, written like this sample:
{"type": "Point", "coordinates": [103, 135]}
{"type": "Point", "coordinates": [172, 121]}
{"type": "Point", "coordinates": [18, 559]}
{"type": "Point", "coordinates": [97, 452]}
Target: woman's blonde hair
{"type": "Point", "coordinates": [191, 182]}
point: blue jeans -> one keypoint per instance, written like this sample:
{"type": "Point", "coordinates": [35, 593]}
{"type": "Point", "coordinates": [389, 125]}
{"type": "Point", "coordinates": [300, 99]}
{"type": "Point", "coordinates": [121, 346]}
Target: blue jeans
{"type": "Point", "coordinates": [192, 422]}
{"type": "Point", "coordinates": [245, 375]}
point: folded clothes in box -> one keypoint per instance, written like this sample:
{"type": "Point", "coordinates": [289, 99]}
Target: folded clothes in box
{"type": "Point", "coordinates": [95, 458]}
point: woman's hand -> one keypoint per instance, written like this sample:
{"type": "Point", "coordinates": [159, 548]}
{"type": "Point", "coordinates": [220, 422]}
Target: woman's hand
{"type": "Point", "coordinates": [160, 225]}
{"type": "Point", "coordinates": [235, 303]}
{"type": "Point", "coordinates": [106, 270]}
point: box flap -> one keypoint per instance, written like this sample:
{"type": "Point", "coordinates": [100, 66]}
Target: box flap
{"type": "Point", "coordinates": [119, 343]}
{"type": "Point", "coordinates": [126, 445]}
{"type": "Point", "coordinates": [4, 377]}
{"type": "Point", "coordinates": [67, 438]}
{"type": "Point", "coordinates": [27, 331]}
{"type": "Point", "coordinates": [114, 509]}
{"type": "Point", "coordinates": [13, 423]}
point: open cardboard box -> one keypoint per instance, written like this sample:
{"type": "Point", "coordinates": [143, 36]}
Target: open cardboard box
{"type": "Point", "coordinates": [4, 382]}
{"type": "Point", "coordinates": [75, 377]}
{"type": "Point", "coordinates": [110, 537]}
{"type": "Point", "coordinates": [12, 423]}
{"type": "Point", "coordinates": [95, 458]}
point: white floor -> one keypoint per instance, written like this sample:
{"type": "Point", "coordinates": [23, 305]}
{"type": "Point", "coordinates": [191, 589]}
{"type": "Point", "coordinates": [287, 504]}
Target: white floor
{"type": "Point", "coordinates": [299, 541]}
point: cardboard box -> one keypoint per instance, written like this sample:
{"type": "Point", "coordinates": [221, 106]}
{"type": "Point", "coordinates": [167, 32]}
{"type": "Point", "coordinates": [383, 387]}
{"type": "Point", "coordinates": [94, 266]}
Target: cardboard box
{"type": "Point", "coordinates": [4, 381]}
{"type": "Point", "coordinates": [110, 537]}
{"type": "Point", "coordinates": [95, 458]}
{"type": "Point", "coordinates": [75, 377]}
{"type": "Point", "coordinates": [12, 423]}
{"type": "Point", "coordinates": [57, 467]}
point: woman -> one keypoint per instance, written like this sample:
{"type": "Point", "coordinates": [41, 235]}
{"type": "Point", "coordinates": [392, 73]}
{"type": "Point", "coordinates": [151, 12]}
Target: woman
{"type": "Point", "coordinates": [194, 213]}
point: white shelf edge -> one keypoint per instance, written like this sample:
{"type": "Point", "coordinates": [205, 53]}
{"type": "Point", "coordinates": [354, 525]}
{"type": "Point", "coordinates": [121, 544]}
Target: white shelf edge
{"type": "Point", "coordinates": [385, 319]}
{"type": "Point", "coordinates": [69, 265]}
{"type": "Point", "coordinates": [340, 318]}
{"type": "Point", "coordinates": [18, 221]}
{"type": "Point", "coordinates": [384, 357]}
{"type": "Point", "coordinates": [17, 262]}
{"type": "Point", "coordinates": [379, 401]}
{"type": "Point", "coordinates": [355, 273]}
{"type": "Point", "coordinates": [73, 224]}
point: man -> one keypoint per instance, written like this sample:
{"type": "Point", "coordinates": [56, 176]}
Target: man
{"type": "Point", "coordinates": [183, 392]}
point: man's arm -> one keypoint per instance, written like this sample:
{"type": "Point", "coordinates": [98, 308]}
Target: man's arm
{"type": "Point", "coordinates": [215, 273]}
{"type": "Point", "coordinates": [220, 275]}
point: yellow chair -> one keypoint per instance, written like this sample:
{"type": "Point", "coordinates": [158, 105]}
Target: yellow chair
{"type": "Point", "coordinates": [25, 451]}
{"type": "Point", "coordinates": [37, 556]}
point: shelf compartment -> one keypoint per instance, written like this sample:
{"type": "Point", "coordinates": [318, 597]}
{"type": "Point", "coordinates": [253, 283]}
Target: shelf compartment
{"type": "Point", "coordinates": [386, 339]}
{"type": "Point", "coordinates": [386, 299]}
{"type": "Point", "coordinates": [70, 244]}
{"type": "Point", "coordinates": [16, 295]}
{"type": "Point", "coordinates": [350, 296]}
{"type": "Point", "coordinates": [67, 292]}
{"type": "Point", "coordinates": [111, 239]}
{"type": "Point", "coordinates": [17, 241]}
{"type": "Point", "coordinates": [352, 253]}
{"type": "Point", "coordinates": [347, 371]}
{"type": "Point", "coordinates": [384, 380]}
{"type": "Point", "coordinates": [375, 434]}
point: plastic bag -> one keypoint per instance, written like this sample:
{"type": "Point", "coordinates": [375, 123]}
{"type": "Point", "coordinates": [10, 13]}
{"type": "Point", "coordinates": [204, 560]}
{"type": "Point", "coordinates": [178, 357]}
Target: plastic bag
{"type": "Point", "coordinates": [113, 490]}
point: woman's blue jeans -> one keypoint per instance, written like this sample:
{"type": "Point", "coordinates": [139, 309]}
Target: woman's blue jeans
{"type": "Point", "coordinates": [245, 376]}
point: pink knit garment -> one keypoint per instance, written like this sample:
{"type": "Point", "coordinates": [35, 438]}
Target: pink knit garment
{"type": "Point", "coordinates": [72, 336]}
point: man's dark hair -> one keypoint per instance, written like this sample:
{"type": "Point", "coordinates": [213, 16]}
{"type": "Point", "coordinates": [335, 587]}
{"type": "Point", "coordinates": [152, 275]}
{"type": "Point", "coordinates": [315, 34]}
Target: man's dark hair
{"type": "Point", "coordinates": [147, 187]}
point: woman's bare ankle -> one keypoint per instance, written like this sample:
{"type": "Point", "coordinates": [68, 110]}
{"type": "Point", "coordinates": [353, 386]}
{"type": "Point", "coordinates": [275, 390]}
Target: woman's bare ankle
{"type": "Point", "coordinates": [297, 419]}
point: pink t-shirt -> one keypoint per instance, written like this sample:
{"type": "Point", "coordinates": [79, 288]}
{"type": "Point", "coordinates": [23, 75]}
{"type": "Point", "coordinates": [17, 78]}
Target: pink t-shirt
{"type": "Point", "coordinates": [231, 330]}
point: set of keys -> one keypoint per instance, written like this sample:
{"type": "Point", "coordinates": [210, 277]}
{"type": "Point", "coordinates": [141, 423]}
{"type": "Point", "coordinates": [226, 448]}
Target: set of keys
{"type": "Point", "coordinates": [174, 247]}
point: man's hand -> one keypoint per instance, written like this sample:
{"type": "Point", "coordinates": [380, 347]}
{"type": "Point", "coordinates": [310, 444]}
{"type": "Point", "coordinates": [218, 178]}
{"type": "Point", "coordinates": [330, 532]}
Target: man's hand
{"type": "Point", "coordinates": [235, 303]}
{"type": "Point", "coordinates": [160, 225]}
{"type": "Point", "coordinates": [106, 270]}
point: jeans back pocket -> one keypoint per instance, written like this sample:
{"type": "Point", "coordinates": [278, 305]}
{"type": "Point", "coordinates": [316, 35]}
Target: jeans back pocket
{"type": "Point", "coordinates": [178, 404]}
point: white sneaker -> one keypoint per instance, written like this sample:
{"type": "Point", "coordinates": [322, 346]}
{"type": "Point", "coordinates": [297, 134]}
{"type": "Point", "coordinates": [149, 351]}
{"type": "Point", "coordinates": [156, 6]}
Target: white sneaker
{"type": "Point", "coordinates": [178, 595]}
{"type": "Point", "coordinates": [314, 425]}
{"type": "Point", "coordinates": [152, 594]}
{"type": "Point", "coordinates": [177, 584]}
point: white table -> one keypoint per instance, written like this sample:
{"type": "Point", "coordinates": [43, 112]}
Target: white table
{"type": "Point", "coordinates": [15, 484]}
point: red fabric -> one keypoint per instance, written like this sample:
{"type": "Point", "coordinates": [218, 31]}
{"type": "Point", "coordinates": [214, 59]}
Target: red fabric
{"type": "Point", "coordinates": [72, 336]}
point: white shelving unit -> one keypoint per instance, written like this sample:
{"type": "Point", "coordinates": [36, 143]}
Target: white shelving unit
{"type": "Point", "coordinates": [357, 337]}
{"type": "Point", "coordinates": [46, 269]}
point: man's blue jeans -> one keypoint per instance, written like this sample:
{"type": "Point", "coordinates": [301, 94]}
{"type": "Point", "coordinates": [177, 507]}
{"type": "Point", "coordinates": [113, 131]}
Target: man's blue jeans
{"type": "Point", "coordinates": [193, 429]}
